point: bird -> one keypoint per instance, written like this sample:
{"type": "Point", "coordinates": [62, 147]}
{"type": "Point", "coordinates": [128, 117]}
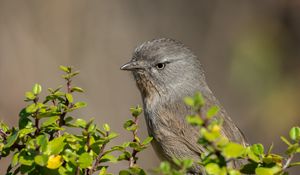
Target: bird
{"type": "Point", "coordinates": [166, 71]}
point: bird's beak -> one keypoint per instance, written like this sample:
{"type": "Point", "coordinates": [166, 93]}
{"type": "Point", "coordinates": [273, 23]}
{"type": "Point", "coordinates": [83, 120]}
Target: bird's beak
{"type": "Point", "coordinates": [131, 66]}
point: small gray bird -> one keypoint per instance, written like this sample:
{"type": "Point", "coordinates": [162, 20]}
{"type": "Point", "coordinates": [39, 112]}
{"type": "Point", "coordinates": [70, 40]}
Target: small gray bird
{"type": "Point", "coordinates": [166, 71]}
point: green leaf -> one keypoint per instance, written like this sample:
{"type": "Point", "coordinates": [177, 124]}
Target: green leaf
{"type": "Point", "coordinates": [189, 101]}
{"type": "Point", "coordinates": [24, 169]}
{"type": "Point", "coordinates": [32, 108]}
{"type": "Point", "coordinates": [4, 126]}
{"type": "Point", "coordinates": [212, 169]}
{"type": "Point", "coordinates": [81, 123]}
{"type": "Point", "coordinates": [234, 172]}
{"type": "Point", "coordinates": [147, 140]}
{"type": "Point", "coordinates": [165, 167]}
{"type": "Point", "coordinates": [80, 104]}
{"type": "Point", "coordinates": [249, 168]}
{"type": "Point", "coordinates": [106, 127]}
{"type": "Point", "coordinates": [29, 96]}
{"type": "Point", "coordinates": [136, 111]}
{"type": "Point", "coordinates": [295, 164]}
{"type": "Point", "coordinates": [1, 146]}
{"type": "Point", "coordinates": [285, 141]}
{"type": "Point", "coordinates": [187, 163]}
{"type": "Point", "coordinates": [24, 121]}
{"type": "Point", "coordinates": [210, 136]}
{"type": "Point", "coordinates": [124, 172]}
{"type": "Point", "coordinates": [102, 171]}
{"type": "Point", "coordinates": [135, 170]}
{"type": "Point", "coordinates": [62, 170]}
{"type": "Point", "coordinates": [91, 128]}
{"type": "Point", "coordinates": [65, 69]}
{"type": "Point", "coordinates": [76, 89]}
{"type": "Point", "coordinates": [254, 157]}
{"type": "Point", "coordinates": [41, 160]}
{"type": "Point", "coordinates": [130, 125]}
{"type": "Point", "coordinates": [12, 139]}
{"type": "Point", "coordinates": [108, 158]}
{"type": "Point", "coordinates": [42, 141]}
{"type": "Point", "coordinates": [134, 145]}
{"type": "Point", "coordinates": [272, 158]}
{"type": "Point", "coordinates": [25, 131]}
{"type": "Point", "coordinates": [292, 149]}
{"type": "Point", "coordinates": [37, 89]}
{"type": "Point", "coordinates": [194, 120]}
{"type": "Point", "coordinates": [198, 100]}
{"type": "Point", "coordinates": [257, 149]}
{"type": "Point", "coordinates": [212, 112]}
{"type": "Point", "coordinates": [85, 160]}
{"type": "Point", "coordinates": [233, 150]}
{"type": "Point", "coordinates": [69, 119]}
{"type": "Point", "coordinates": [56, 146]}
{"type": "Point", "coordinates": [270, 148]}
{"type": "Point", "coordinates": [69, 155]}
{"type": "Point", "coordinates": [267, 171]}
{"type": "Point", "coordinates": [50, 121]}
{"type": "Point", "coordinates": [15, 159]}
{"type": "Point", "coordinates": [69, 97]}
{"type": "Point", "coordinates": [74, 74]}
{"type": "Point", "coordinates": [295, 134]}
{"type": "Point", "coordinates": [124, 156]}
{"type": "Point", "coordinates": [112, 135]}
{"type": "Point", "coordinates": [26, 158]}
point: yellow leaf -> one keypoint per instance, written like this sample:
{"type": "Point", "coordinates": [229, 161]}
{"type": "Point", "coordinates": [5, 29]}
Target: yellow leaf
{"type": "Point", "coordinates": [54, 162]}
{"type": "Point", "coordinates": [216, 128]}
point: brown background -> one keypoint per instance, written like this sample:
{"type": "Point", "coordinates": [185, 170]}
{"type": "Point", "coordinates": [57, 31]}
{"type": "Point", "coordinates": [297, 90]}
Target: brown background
{"type": "Point", "coordinates": [250, 51]}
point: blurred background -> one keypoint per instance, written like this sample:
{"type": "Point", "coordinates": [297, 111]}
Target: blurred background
{"type": "Point", "coordinates": [250, 51]}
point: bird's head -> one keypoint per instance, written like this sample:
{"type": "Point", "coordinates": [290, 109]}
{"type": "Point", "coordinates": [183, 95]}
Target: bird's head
{"type": "Point", "coordinates": [164, 66]}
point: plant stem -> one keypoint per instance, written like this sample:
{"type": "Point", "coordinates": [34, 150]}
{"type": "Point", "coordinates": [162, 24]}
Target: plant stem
{"type": "Point", "coordinates": [62, 116]}
{"type": "Point", "coordinates": [36, 118]}
{"type": "Point", "coordinates": [69, 85]}
{"type": "Point", "coordinates": [88, 142]}
{"type": "Point", "coordinates": [288, 161]}
{"type": "Point", "coordinates": [3, 134]}
{"type": "Point", "coordinates": [77, 172]}
{"type": "Point", "coordinates": [37, 131]}
{"type": "Point", "coordinates": [133, 158]}
{"type": "Point", "coordinates": [93, 169]}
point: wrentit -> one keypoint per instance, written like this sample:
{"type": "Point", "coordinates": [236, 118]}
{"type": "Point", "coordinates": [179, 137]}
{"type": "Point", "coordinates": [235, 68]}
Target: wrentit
{"type": "Point", "coordinates": [166, 71]}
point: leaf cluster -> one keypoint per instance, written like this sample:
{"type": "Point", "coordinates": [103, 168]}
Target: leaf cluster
{"type": "Point", "coordinates": [224, 156]}
{"type": "Point", "coordinates": [42, 143]}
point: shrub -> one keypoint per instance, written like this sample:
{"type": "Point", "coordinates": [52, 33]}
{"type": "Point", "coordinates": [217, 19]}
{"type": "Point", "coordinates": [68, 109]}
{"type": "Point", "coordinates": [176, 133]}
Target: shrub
{"type": "Point", "coordinates": [42, 144]}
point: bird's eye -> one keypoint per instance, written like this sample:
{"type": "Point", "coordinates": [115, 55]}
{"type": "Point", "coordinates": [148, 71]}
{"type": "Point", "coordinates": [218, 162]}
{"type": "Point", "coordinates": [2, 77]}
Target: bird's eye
{"type": "Point", "coordinates": [160, 65]}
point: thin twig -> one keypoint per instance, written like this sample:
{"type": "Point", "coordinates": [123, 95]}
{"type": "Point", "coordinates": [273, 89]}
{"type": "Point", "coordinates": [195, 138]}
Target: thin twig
{"type": "Point", "coordinates": [3, 134]}
{"type": "Point", "coordinates": [37, 131]}
{"type": "Point", "coordinates": [100, 155]}
{"type": "Point", "coordinates": [63, 114]}
{"type": "Point", "coordinates": [77, 172]}
{"type": "Point", "coordinates": [88, 142]}
{"type": "Point", "coordinates": [133, 158]}
{"type": "Point", "coordinates": [206, 123]}
{"type": "Point", "coordinates": [69, 85]}
{"type": "Point", "coordinates": [288, 161]}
